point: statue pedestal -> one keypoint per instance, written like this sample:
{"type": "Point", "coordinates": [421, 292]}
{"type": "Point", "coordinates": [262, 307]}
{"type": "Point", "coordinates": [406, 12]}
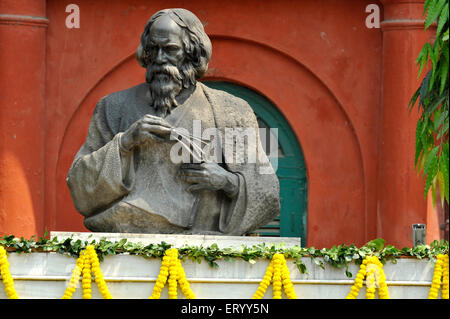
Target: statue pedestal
{"type": "Point", "coordinates": [45, 275]}
{"type": "Point", "coordinates": [180, 240]}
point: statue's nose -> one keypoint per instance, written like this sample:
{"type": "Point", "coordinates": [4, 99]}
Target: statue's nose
{"type": "Point", "coordinates": [160, 57]}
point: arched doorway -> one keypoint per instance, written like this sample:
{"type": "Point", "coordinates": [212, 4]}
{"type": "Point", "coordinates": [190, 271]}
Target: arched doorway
{"type": "Point", "coordinates": [291, 169]}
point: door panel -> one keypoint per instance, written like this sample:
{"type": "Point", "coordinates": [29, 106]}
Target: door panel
{"type": "Point", "coordinates": [291, 170]}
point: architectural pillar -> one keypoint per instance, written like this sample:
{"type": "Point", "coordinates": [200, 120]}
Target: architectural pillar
{"type": "Point", "coordinates": [401, 201]}
{"type": "Point", "coordinates": [22, 104]}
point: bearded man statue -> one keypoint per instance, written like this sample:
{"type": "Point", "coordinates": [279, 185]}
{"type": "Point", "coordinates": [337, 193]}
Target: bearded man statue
{"type": "Point", "coordinates": [125, 179]}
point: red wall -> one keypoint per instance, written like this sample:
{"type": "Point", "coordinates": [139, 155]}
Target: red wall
{"type": "Point", "coordinates": [341, 86]}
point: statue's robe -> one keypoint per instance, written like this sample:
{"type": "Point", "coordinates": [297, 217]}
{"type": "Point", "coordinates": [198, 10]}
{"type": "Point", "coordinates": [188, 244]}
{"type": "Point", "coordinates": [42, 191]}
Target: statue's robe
{"type": "Point", "coordinates": [139, 191]}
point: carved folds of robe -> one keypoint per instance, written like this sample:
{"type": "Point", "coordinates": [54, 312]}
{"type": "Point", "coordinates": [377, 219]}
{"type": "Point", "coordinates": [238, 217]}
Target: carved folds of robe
{"type": "Point", "coordinates": [139, 191]}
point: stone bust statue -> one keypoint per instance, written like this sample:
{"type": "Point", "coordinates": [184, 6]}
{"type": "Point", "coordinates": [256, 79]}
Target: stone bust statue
{"type": "Point", "coordinates": [125, 177]}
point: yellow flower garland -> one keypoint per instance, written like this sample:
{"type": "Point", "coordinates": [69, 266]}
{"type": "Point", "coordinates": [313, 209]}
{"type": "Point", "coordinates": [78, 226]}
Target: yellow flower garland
{"type": "Point", "coordinates": [87, 278]}
{"type": "Point", "coordinates": [98, 275]}
{"type": "Point", "coordinates": [279, 272]}
{"type": "Point", "coordinates": [172, 271]}
{"type": "Point", "coordinates": [8, 282]}
{"type": "Point", "coordinates": [87, 264]}
{"type": "Point", "coordinates": [76, 273]}
{"type": "Point", "coordinates": [372, 270]}
{"type": "Point", "coordinates": [441, 271]}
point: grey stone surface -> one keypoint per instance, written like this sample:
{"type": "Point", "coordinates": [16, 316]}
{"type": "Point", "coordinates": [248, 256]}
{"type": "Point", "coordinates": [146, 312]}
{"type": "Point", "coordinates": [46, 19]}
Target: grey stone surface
{"type": "Point", "coordinates": [124, 178]}
{"type": "Point", "coordinates": [179, 240]}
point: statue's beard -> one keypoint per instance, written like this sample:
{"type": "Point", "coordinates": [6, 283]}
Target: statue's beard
{"type": "Point", "coordinates": [165, 83]}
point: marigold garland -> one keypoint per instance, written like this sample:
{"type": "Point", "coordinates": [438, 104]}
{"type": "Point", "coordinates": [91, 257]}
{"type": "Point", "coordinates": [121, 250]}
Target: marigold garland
{"type": "Point", "coordinates": [172, 271]}
{"type": "Point", "coordinates": [8, 282]}
{"type": "Point", "coordinates": [279, 272]}
{"type": "Point", "coordinates": [75, 278]}
{"type": "Point", "coordinates": [87, 264]}
{"type": "Point", "coordinates": [372, 270]}
{"type": "Point", "coordinates": [87, 278]}
{"type": "Point", "coordinates": [441, 271]}
{"type": "Point", "coordinates": [98, 275]}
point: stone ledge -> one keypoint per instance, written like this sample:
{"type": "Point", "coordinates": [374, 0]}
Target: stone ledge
{"type": "Point", "coordinates": [181, 240]}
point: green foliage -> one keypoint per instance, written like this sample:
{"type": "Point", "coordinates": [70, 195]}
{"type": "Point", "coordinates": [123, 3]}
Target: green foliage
{"type": "Point", "coordinates": [431, 148]}
{"type": "Point", "coordinates": [338, 256]}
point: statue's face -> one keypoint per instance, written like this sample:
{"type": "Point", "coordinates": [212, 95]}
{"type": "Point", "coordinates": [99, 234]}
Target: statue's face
{"type": "Point", "coordinates": [167, 69]}
{"type": "Point", "coordinates": [165, 42]}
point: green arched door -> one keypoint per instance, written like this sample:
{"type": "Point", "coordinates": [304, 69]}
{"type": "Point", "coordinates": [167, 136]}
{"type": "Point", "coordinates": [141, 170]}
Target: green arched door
{"type": "Point", "coordinates": [291, 169]}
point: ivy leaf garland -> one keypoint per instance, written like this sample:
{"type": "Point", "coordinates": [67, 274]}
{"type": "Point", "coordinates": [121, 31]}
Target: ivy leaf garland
{"type": "Point", "coordinates": [340, 256]}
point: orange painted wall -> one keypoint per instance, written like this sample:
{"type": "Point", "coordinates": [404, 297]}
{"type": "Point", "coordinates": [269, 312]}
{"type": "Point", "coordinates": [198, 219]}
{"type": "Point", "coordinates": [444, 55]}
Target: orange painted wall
{"type": "Point", "coordinates": [315, 60]}
{"type": "Point", "coordinates": [22, 117]}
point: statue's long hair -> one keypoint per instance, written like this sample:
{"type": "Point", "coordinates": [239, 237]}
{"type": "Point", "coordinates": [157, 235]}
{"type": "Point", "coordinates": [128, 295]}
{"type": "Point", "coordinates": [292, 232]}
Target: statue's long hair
{"type": "Point", "coordinates": [197, 45]}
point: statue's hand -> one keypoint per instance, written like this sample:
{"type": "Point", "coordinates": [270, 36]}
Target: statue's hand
{"type": "Point", "coordinates": [148, 127]}
{"type": "Point", "coordinates": [209, 176]}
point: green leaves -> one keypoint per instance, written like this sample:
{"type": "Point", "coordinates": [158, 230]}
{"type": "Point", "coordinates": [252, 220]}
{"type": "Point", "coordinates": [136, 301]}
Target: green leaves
{"type": "Point", "coordinates": [376, 244]}
{"type": "Point", "coordinates": [443, 68]}
{"type": "Point", "coordinates": [444, 169]}
{"type": "Point", "coordinates": [443, 18]}
{"type": "Point", "coordinates": [431, 167]}
{"type": "Point", "coordinates": [434, 11]}
{"type": "Point", "coordinates": [445, 36]}
{"type": "Point", "coordinates": [433, 104]}
{"type": "Point", "coordinates": [422, 59]}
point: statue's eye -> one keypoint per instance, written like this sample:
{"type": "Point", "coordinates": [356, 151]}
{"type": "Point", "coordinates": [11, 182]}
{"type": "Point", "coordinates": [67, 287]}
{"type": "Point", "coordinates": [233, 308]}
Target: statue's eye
{"type": "Point", "coordinates": [151, 49]}
{"type": "Point", "coordinates": [172, 48]}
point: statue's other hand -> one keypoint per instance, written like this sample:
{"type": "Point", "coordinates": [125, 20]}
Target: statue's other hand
{"type": "Point", "coordinates": [208, 176]}
{"type": "Point", "coordinates": [147, 128]}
